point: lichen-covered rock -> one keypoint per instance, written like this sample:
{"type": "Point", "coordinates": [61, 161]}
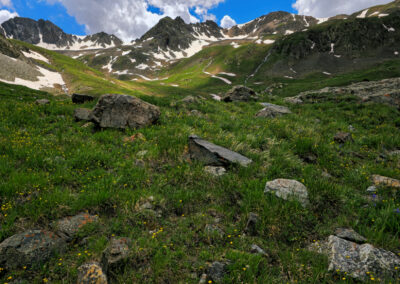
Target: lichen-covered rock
{"type": "Point", "coordinates": [116, 254]}
{"type": "Point", "coordinates": [213, 155]}
{"type": "Point", "coordinates": [82, 114]}
{"type": "Point", "coordinates": [30, 247]}
{"type": "Point", "coordinates": [91, 273]}
{"type": "Point", "coordinates": [288, 190]}
{"type": "Point", "coordinates": [68, 227]}
{"type": "Point", "coordinates": [121, 112]}
{"type": "Point", "coordinates": [385, 181]}
{"type": "Point", "coordinates": [272, 111]}
{"type": "Point", "coordinates": [240, 94]}
{"type": "Point", "coordinates": [358, 261]}
{"type": "Point", "coordinates": [80, 99]}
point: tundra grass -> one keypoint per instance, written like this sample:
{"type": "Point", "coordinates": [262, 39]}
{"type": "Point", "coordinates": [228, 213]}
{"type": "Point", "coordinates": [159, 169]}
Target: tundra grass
{"type": "Point", "coordinates": [52, 167]}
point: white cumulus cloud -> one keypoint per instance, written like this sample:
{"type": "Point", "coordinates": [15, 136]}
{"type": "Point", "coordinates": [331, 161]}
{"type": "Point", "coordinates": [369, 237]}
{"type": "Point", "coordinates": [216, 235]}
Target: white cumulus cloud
{"type": "Point", "coordinates": [329, 8]}
{"type": "Point", "coordinates": [130, 19]}
{"type": "Point", "coordinates": [227, 22]}
{"type": "Point", "coordinates": [5, 15]}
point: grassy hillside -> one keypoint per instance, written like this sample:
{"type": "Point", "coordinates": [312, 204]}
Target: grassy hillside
{"type": "Point", "coordinates": [52, 167]}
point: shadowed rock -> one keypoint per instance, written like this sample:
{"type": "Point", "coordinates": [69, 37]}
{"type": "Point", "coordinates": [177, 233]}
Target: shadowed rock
{"type": "Point", "coordinates": [271, 111]}
{"type": "Point", "coordinates": [28, 248]}
{"type": "Point", "coordinates": [240, 94]}
{"type": "Point", "coordinates": [288, 190]}
{"type": "Point", "coordinates": [91, 273]}
{"type": "Point", "coordinates": [342, 137]}
{"type": "Point", "coordinates": [82, 114]}
{"type": "Point", "coordinates": [121, 112]}
{"type": "Point", "coordinates": [214, 155]}
{"type": "Point", "coordinates": [350, 235]}
{"type": "Point", "coordinates": [116, 255]}
{"type": "Point", "coordinates": [80, 99]}
{"type": "Point", "coordinates": [251, 226]}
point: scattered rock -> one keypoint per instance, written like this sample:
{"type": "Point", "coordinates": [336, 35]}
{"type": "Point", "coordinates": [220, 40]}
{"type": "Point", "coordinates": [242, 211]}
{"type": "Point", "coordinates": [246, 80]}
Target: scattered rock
{"type": "Point", "coordinates": [372, 189]}
{"type": "Point", "coordinates": [271, 111]}
{"type": "Point", "coordinates": [358, 261]}
{"type": "Point", "coordinates": [216, 97]}
{"type": "Point", "coordinates": [217, 271]}
{"type": "Point", "coordinates": [326, 175]}
{"type": "Point", "coordinates": [342, 137]}
{"type": "Point", "coordinates": [294, 100]}
{"type": "Point", "coordinates": [86, 125]}
{"type": "Point", "coordinates": [28, 248]}
{"type": "Point", "coordinates": [91, 273]}
{"type": "Point", "coordinates": [215, 171]}
{"type": "Point", "coordinates": [288, 190]}
{"type": "Point", "coordinates": [42, 102]}
{"type": "Point", "coordinates": [203, 279]}
{"type": "Point", "coordinates": [213, 155]}
{"type": "Point", "coordinates": [352, 128]}
{"type": "Point", "coordinates": [240, 94]}
{"type": "Point", "coordinates": [80, 99]}
{"type": "Point", "coordinates": [116, 254]}
{"type": "Point", "coordinates": [121, 112]}
{"type": "Point", "coordinates": [68, 227]}
{"type": "Point", "coordinates": [251, 226]}
{"type": "Point", "coordinates": [350, 235]}
{"type": "Point", "coordinates": [214, 230]}
{"type": "Point", "coordinates": [189, 100]}
{"type": "Point", "coordinates": [195, 113]}
{"type": "Point", "coordinates": [385, 181]}
{"type": "Point", "coordinates": [309, 158]}
{"type": "Point", "coordinates": [82, 114]}
{"type": "Point", "coordinates": [255, 249]}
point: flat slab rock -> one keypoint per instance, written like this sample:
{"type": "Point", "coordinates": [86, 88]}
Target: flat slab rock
{"type": "Point", "coordinates": [214, 155]}
{"type": "Point", "coordinates": [91, 273]}
{"type": "Point", "coordinates": [358, 261]}
{"type": "Point", "coordinates": [271, 111]}
{"type": "Point", "coordinates": [121, 112]}
{"type": "Point", "coordinates": [350, 235]}
{"type": "Point", "coordinates": [30, 247]}
{"type": "Point", "coordinates": [385, 181]}
{"type": "Point", "coordinates": [69, 226]}
{"type": "Point", "coordinates": [288, 190]}
{"type": "Point", "coordinates": [386, 91]}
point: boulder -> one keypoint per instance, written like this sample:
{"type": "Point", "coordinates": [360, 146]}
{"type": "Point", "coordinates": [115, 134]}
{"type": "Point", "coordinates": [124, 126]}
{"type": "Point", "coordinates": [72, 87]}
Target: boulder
{"type": "Point", "coordinates": [288, 190]}
{"type": "Point", "coordinates": [68, 227]}
{"type": "Point", "coordinates": [91, 273]}
{"type": "Point", "coordinates": [42, 102]}
{"type": "Point", "coordinates": [272, 111]}
{"type": "Point", "coordinates": [240, 94]}
{"type": "Point", "coordinates": [217, 271]}
{"type": "Point", "coordinates": [342, 137]}
{"type": "Point", "coordinates": [385, 181]}
{"type": "Point", "coordinates": [350, 235]}
{"type": "Point", "coordinates": [360, 261]}
{"type": "Point", "coordinates": [293, 100]}
{"type": "Point", "coordinates": [28, 248]}
{"type": "Point", "coordinates": [116, 255]}
{"type": "Point", "coordinates": [80, 99]}
{"type": "Point", "coordinates": [121, 112]}
{"type": "Point", "coordinates": [82, 114]}
{"type": "Point", "coordinates": [214, 155]}
{"type": "Point", "coordinates": [215, 171]}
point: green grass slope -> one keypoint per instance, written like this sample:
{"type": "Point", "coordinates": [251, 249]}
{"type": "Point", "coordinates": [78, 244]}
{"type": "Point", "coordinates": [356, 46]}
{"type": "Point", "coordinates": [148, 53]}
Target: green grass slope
{"type": "Point", "coordinates": [52, 167]}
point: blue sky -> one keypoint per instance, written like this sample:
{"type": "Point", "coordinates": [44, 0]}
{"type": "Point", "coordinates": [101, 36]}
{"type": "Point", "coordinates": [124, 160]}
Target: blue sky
{"type": "Point", "coordinates": [129, 19]}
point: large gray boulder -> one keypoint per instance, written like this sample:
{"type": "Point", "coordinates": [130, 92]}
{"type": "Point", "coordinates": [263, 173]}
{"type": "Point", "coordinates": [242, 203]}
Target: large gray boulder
{"type": "Point", "coordinates": [30, 247]}
{"type": "Point", "coordinates": [240, 94]}
{"type": "Point", "coordinates": [121, 112]}
{"type": "Point", "coordinates": [361, 261]}
{"type": "Point", "coordinates": [272, 111]}
{"type": "Point", "coordinates": [288, 190]}
{"type": "Point", "coordinates": [214, 155]}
